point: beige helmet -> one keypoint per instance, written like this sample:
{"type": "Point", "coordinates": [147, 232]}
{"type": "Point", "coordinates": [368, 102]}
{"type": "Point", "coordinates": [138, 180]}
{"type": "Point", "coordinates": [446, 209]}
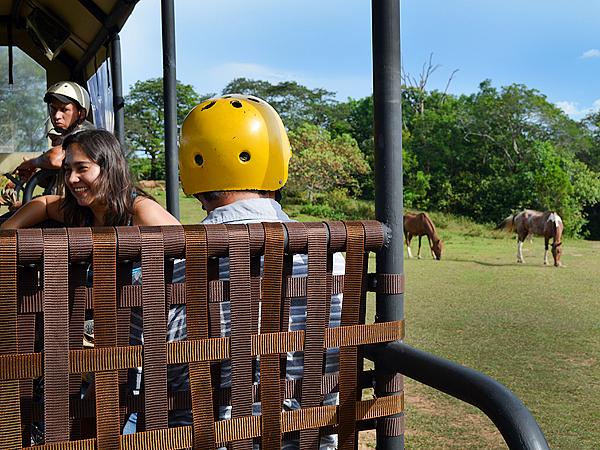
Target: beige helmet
{"type": "Point", "coordinates": [69, 92]}
{"type": "Point", "coordinates": [233, 143]}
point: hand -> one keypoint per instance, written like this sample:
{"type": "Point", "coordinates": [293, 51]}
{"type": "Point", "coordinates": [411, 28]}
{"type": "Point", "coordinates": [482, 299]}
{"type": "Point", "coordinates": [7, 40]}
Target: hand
{"type": "Point", "coordinates": [26, 168]}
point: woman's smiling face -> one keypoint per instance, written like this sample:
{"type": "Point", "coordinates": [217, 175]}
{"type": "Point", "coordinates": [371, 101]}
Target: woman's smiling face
{"type": "Point", "coordinates": [80, 175]}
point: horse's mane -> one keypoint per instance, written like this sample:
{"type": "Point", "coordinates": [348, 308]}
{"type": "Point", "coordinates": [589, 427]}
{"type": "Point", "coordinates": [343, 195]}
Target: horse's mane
{"type": "Point", "coordinates": [430, 223]}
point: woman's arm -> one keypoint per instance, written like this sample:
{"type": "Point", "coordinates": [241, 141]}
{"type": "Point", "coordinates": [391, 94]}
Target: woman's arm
{"type": "Point", "coordinates": [35, 211]}
{"type": "Point", "coordinates": [147, 212]}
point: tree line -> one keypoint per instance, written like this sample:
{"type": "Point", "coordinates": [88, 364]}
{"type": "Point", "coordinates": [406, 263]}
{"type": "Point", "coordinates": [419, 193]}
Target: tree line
{"type": "Point", "coordinates": [482, 155]}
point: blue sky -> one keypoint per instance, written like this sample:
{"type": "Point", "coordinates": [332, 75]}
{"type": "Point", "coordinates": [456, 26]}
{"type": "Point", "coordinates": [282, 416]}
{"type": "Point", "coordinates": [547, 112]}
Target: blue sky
{"type": "Point", "coordinates": [550, 45]}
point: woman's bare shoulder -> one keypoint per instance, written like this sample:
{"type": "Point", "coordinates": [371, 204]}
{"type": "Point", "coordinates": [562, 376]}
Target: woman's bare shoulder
{"type": "Point", "coordinates": [148, 212]}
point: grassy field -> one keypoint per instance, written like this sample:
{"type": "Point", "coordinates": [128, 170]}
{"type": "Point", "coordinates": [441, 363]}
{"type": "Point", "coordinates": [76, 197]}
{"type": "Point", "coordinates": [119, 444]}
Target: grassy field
{"type": "Point", "coordinates": [534, 328]}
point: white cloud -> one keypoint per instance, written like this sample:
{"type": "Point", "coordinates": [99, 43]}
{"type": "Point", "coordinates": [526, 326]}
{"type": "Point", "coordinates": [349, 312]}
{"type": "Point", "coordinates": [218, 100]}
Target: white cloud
{"type": "Point", "coordinates": [592, 53]}
{"type": "Point", "coordinates": [574, 112]}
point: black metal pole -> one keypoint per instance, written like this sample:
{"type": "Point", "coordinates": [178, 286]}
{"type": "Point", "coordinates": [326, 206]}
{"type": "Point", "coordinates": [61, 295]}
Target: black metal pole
{"type": "Point", "coordinates": [387, 112]}
{"type": "Point", "coordinates": [170, 102]}
{"type": "Point", "coordinates": [117, 89]}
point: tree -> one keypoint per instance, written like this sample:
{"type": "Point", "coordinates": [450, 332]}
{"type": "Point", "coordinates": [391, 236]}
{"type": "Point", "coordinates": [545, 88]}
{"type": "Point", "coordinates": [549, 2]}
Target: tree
{"type": "Point", "coordinates": [296, 104]}
{"type": "Point", "coordinates": [23, 112]}
{"type": "Point", "coordinates": [321, 162]}
{"type": "Point", "coordinates": [144, 120]}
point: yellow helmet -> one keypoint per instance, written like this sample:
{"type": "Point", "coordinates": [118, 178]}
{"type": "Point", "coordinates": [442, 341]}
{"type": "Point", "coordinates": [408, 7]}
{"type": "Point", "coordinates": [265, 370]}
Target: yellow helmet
{"type": "Point", "coordinates": [233, 143]}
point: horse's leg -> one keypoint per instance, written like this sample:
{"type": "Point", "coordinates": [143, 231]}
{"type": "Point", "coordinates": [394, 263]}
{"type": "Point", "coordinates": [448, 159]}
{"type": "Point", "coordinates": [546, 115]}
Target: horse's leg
{"type": "Point", "coordinates": [407, 239]}
{"type": "Point", "coordinates": [546, 239]}
{"type": "Point", "coordinates": [520, 251]}
{"type": "Point", "coordinates": [419, 251]}
{"type": "Point", "coordinates": [430, 246]}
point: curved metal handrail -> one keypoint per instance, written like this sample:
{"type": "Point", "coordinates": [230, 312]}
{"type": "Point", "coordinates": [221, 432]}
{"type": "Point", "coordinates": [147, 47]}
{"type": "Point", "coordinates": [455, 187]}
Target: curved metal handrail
{"type": "Point", "coordinates": [43, 175]}
{"type": "Point", "coordinates": [512, 418]}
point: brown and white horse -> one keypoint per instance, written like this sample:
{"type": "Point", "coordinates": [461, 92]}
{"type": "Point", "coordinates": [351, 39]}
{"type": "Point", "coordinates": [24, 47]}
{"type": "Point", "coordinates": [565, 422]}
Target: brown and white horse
{"type": "Point", "coordinates": [421, 225]}
{"type": "Point", "coordinates": [541, 223]}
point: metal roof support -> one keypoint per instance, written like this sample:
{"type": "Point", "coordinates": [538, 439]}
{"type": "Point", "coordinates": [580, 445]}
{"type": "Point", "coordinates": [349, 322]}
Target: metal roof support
{"type": "Point", "coordinates": [170, 104]}
{"type": "Point", "coordinates": [14, 13]}
{"type": "Point", "coordinates": [109, 27]}
{"type": "Point", "coordinates": [117, 89]}
{"type": "Point", "coordinates": [387, 124]}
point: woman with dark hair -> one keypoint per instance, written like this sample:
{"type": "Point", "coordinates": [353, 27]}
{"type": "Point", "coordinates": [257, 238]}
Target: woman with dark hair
{"type": "Point", "coordinates": [99, 189]}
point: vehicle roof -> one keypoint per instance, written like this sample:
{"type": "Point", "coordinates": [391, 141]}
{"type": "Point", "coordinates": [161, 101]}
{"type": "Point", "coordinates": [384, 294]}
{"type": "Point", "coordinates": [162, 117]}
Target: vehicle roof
{"type": "Point", "coordinates": [87, 24]}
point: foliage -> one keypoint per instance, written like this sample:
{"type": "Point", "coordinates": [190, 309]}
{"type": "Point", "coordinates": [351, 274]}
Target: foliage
{"type": "Point", "coordinates": [496, 151]}
{"type": "Point", "coordinates": [482, 155]}
{"type": "Point", "coordinates": [144, 120]}
{"type": "Point", "coordinates": [23, 112]}
{"type": "Point", "coordinates": [296, 104]}
{"type": "Point", "coordinates": [321, 162]}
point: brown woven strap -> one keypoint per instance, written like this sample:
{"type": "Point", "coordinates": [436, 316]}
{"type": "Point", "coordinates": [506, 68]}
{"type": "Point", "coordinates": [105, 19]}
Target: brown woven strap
{"type": "Point", "coordinates": [29, 365]}
{"type": "Point", "coordinates": [248, 427]}
{"type": "Point", "coordinates": [77, 280]}
{"type": "Point", "coordinates": [31, 296]}
{"type": "Point", "coordinates": [27, 281]}
{"type": "Point", "coordinates": [353, 293]}
{"type": "Point", "coordinates": [270, 392]}
{"type": "Point", "coordinates": [241, 324]}
{"type": "Point", "coordinates": [56, 335]}
{"type": "Point", "coordinates": [196, 291]}
{"type": "Point", "coordinates": [391, 426]}
{"type": "Point", "coordinates": [26, 343]}
{"type": "Point", "coordinates": [88, 444]}
{"type": "Point", "coordinates": [104, 257]}
{"type": "Point", "coordinates": [386, 283]}
{"type": "Point", "coordinates": [317, 318]}
{"type": "Point", "coordinates": [30, 244]}
{"type": "Point", "coordinates": [155, 328]}
{"type": "Point", "coordinates": [10, 418]}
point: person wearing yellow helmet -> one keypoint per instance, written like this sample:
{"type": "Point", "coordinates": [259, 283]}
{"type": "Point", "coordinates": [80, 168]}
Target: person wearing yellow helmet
{"type": "Point", "coordinates": [233, 146]}
{"type": "Point", "coordinates": [234, 155]}
{"type": "Point", "coordinates": [68, 107]}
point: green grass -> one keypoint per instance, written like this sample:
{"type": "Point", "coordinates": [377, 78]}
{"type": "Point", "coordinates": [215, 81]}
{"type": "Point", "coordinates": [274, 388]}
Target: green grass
{"type": "Point", "coordinates": [190, 209]}
{"type": "Point", "coordinates": [534, 328]}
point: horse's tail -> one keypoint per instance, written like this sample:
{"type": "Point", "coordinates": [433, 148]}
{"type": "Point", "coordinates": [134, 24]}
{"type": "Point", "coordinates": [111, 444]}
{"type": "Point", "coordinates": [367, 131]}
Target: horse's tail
{"type": "Point", "coordinates": [507, 224]}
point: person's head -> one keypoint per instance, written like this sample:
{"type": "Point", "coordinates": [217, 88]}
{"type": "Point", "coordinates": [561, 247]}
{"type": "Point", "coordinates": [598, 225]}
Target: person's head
{"type": "Point", "coordinates": [231, 147]}
{"type": "Point", "coordinates": [68, 105]}
{"type": "Point", "coordinates": [97, 178]}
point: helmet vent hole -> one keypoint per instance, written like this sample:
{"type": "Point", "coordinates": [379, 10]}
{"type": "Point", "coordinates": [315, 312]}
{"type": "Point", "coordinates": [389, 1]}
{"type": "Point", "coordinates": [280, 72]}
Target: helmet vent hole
{"type": "Point", "coordinates": [198, 159]}
{"type": "Point", "coordinates": [254, 99]}
{"type": "Point", "coordinates": [236, 104]}
{"type": "Point", "coordinates": [210, 105]}
{"type": "Point", "coordinates": [244, 157]}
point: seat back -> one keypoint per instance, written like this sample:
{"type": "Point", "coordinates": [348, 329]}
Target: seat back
{"type": "Point", "coordinates": [52, 280]}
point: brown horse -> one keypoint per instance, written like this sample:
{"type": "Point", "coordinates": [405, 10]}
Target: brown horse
{"type": "Point", "coordinates": [529, 222]}
{"type": "Point", "coordinates": [421, 225]}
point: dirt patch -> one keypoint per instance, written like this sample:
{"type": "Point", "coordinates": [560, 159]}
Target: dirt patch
{"type": "Point", "coordinates": [458, 425]}
{"type": "Point", "coordinates": [152, 184]}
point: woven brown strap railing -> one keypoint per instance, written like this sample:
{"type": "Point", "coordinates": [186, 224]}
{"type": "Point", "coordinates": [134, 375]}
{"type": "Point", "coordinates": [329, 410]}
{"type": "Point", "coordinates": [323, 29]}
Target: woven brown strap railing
{"type": "Point", "coordinates": [51, 281]}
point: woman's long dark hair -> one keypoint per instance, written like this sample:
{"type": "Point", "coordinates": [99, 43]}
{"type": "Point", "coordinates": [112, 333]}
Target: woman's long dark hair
{"type": "Point", "coordinates": [114, 187]}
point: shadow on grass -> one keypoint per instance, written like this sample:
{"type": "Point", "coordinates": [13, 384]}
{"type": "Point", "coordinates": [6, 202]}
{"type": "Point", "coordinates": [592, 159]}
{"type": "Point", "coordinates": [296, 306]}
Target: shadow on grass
{"type": "Point", "coordinates": [491, 264]}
